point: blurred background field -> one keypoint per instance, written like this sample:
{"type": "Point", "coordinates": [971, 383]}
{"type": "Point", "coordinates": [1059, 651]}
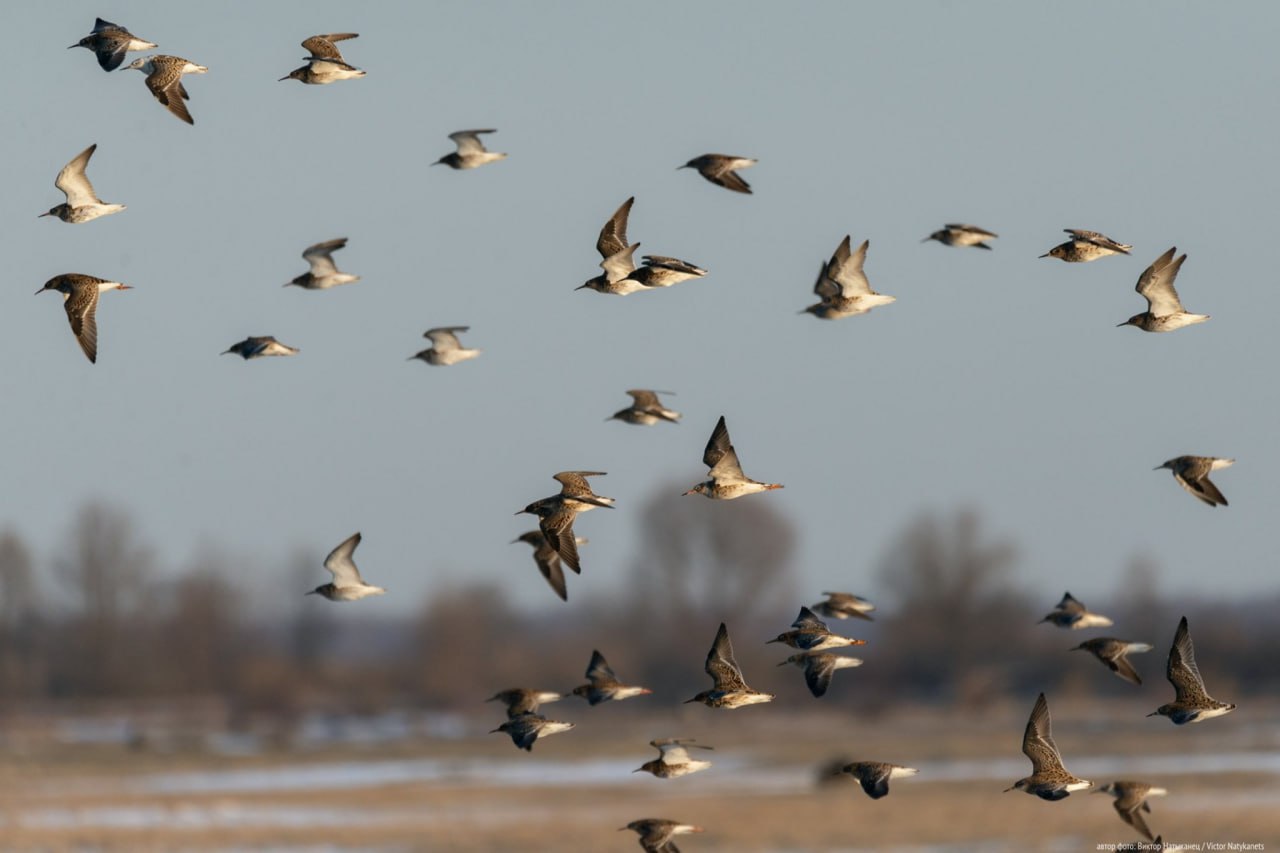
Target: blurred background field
{"type": "Point", "coordinates": [148, 707]}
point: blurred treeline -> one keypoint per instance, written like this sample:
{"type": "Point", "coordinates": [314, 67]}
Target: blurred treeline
{"type": "Point", "coordinates": [102, 624]}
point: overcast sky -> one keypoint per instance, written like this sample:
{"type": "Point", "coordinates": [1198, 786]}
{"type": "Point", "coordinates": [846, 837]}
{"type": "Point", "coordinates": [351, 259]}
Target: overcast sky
{"type": "Point", "coordinates": [997, 380]}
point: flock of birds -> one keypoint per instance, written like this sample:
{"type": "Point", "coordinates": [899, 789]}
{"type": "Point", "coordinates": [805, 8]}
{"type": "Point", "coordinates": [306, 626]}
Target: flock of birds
{"type": "Point", "coordinates": [843, 290]}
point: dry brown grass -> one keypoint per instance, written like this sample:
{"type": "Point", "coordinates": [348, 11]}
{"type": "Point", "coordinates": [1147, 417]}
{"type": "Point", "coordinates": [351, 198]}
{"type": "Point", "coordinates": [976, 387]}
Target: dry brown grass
{"type": "Point", "coordinates": [490, 816]}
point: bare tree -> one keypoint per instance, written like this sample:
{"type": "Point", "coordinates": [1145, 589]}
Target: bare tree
{"type": "Point", "coordinates": [107, 574]}
{"type": "Point", "coordinates": [20, 670]}
{"type": "Point", "coordinates": [958, 620]}
{"type": "Point", "coordinates": [718, 557]}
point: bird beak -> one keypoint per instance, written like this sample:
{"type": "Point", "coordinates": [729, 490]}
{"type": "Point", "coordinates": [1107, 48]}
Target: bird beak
{"type": "Point", "coordinates": [581, 287]}
{"type": "Point", "coordinates": [682, 494]}
{"type": "Point", "coordinates": [73, 45]}
{"type": "Point", "coordinates": [313, 592]}
{"type": "Point", "coordinates": [282, 79]}
{"type": "Point", "coordinates": [1045, 255]}
{"type": "Point", "coordinates": [1157, 468]}
{"type": "Point", "coordinates": [1122, 325]}
{"type": "Point", "coordinates": [124, 287]}
{"type": "Point", "coordinates": [1007, 790]}
{"type": "Point", "coordinates": [40, 291]}
{"type": "Point", "coordinates": [785, 662]}
{"type": "Point", "coordinates": [50, 213]}
{"type": "Point", "coordinates": [513, 541]}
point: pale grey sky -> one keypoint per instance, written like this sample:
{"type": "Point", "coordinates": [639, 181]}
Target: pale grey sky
{"type": "Point", "coordinates": [997, 380]}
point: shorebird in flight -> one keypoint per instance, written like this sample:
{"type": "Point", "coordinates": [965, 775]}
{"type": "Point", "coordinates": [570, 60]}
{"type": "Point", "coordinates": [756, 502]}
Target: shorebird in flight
{"type": "Point", "coordinates": [524, 700]}
{"type": "Point", "coordinates": [259, 346]}
{"type": "Point", "coordinates": [445, 347]}
{"type": "Point", "coordinates": [471, 152]}
{"type": "Point", "coordinates": [645, 409]}
{"type": "Point", "coordinates": [1131, 802]}
{"type": "Point", "coordinates": [673, 758]}
{"type": "Point", "coordinates": [1049, 780]}
{"type": "Point", "coordinates": [325, 64]}
{"type": "Point", "coordinates": [1085, 246]}
{"type": "Point", "coordinates": [525, 729]}
{"type": "Point", "coordinates": [729, 689]}
{"type": "Point", "coordinates": [725, 478]}
{"type": "Point", "coordinates": [164, 80]}
{"type": "Point", "coordinates": [1164, 309]}
{"type": "Point", "coordinates": [1070, 613]}
{"type": "Point", "coordinates": [819, 667]}
{"type": "Point", "coordinates": [547, 560]}
{"type": "Point", "coordinates": [956, 234]}
{"type": "Point", "coordinates": [843, 287]}
{"type": "Point", "coordinates": [844, 605]}
{"type": "Point", "coordinates": [810, 634]}
{"type": "Point", "coordinates": [656, 833]}
{"type": "Point", "coordinates": [347, 585]}
{"type": "Point", "coordinates": [82, 204]}
{"type": "Point", "coordinates": [324, 273]}
{"type": "Point", "coordinates": [80, 299]}
{"type": "Point", "coordinates": [720, 169]}
{"type": "Point", "coordinates": [1191, 702]}
{"type": "Point", "coordinates": [603, 686]}
{"type": "Point", "coordinates": [1113, 654]}
{"type": "Point", "coordinates": [110, 42]}
{"type": "Point", "coordinates": [621, 275]}
{"type": "Point", "coordinates": [557, 513]}
{"type": "Point", "coordinates": [1192, 473]}
{"type": "Point", "coordinates": [874, 776]}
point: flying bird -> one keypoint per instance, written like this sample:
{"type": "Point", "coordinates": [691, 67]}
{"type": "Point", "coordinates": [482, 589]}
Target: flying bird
{"type": "Point", "coordinates": [557, 513]}
{"type": "Point", "coordinates": [1113, 654]}
{"type": "Point", "coordinates": [603, 686]}
{"type": "Point", "coordinates": [1049, 780]}
{"type": "Point", "coordinates": [844, 605]}
{"type": "Point", "coordinates": [645, 409]}
{"type": "Point", "coordinates": [725, 478]}
{"type": "Point", "coordinates": [524, 700]}
{"type": "Point", "coordinates": [720, 169]}
{"type": "Point", "coordinates": [1131, 802]}
{"type": "Point", "coordinates": [525, 729]}
{"type": "Point", "coordinates": [471, 152]}
{"type": "Point", "coordinates": [80, 299]}
{"type": "Point", "coordinates": [82, 204]}
{"type": "Point", "coordinates": [1070, 613]}
{"type": "Point", "coordinates": [164, 79]}
{"type": "Point", "coordinates": [1085, 246]}
{"type": "Point", "coordinates": [259, 346]}
{"type": "Point", "coordinates": [1192, 473]}
{"type": "Point", "coordinates": [621, 276]}
{"type": "Point", "coordinates": [842, 286]}
{"type": "Point", "coordinates": [547, 560]}
{"type": "Point", "coordinates": [656, 833]}
{"type": "Point", "coordinates": [324, 273]}
{"type": "Point", "coordinates": [445, 347]}
{"type": "Point", "coordinates": [1191, 702]}
{"type": "Point", "coordinates": [673, 758]}
{"type": "Point", "coordinates": [956, 234]}
{"type": "Point", "coordinates": [810, 634]}
{"type": "Point", "coordinates": [729, 689]}
{"type": "Point", "coordinates": [1164, 309]}
{"type": "Point", "coordinates": [874, 776]}
{"type": "Point", "coordinates": [325, 64]}
{"type": "Point", "coordinates": [110, 42]}
{"type": "Point", "coordinates": [347, 585]}
{"type": "Point", "coordinates": [819, 667]}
